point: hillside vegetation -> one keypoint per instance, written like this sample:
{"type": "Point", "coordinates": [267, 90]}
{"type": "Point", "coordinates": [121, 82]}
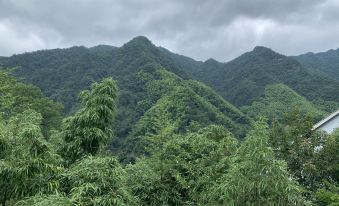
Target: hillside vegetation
{"type": "Point", "coordinates": [190, 155]}
{"type": "Point", "coordinates": [142, 125]}
{"type": "Point", "coordinates": [324, 63]}
{"type": "Point", "coordinates": [62, 73]}
{"type": "Point", "coordinates": [16, 97]}
{"type": "Point", "coordinates": [243, 80]}
{"type": "Point", "coordinates": [148, 82]}
{"type": "Point", "coordinates": [179, 106]}
{"type": "Point", "coordinates": [278, 100]}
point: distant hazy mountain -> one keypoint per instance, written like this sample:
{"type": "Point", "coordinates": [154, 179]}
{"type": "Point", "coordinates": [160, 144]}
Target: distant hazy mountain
{"type": "Point", "coordinates": [325, 63]}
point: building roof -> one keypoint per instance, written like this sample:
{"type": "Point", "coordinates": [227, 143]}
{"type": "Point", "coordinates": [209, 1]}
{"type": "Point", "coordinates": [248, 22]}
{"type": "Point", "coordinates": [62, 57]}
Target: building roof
{"type": "Point", "coordinates": [323, 121]}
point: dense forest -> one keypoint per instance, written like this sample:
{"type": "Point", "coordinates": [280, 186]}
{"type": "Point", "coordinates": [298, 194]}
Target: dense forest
{"type": "Point", "coordinates": [324, 63]}
{"type": "Point", "coordinates": [140, 125]}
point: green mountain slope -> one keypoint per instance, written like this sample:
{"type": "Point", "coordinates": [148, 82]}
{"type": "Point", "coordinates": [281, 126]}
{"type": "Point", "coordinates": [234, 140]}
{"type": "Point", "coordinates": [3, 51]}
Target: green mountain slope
{"type": "Point", "coordinates": [187, 64]}
{"type": "Point", "coordinates": [325, 63]}
{"type": "Point", "coordinates": [243, 80]}
{"type": "Point", "coordinates": [16, 97]}
{"type": "Point", "coordinates": [149, 82]}
{"type": "Point", "coordinates": [62, 73]}
{"type": "Point", "coordinates": [167, 100]}
{"type": "Point", "coordinates": [184, 102]}
{"type": "Point", "coordinates": [278, 100]}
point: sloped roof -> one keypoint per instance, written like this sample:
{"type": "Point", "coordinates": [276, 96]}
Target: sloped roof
{"type": "Point", "coordinates": [323, 121]}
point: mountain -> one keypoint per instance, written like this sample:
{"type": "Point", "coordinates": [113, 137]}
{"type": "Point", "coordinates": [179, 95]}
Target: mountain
{"type": "Point", "coordinates": [172, 105]}
{"type": "Point", "coordinates": [187, 64]}
{"type": "Point", "coordinates": [243, 80]}
{"type": "Point", "coordinates": [278, 100]}
{"type": "Point", "coordinates": [325, 63]}
{"type": "Point", "coordinates": [240, 81]}
{"type": "Point", "coordinates": [149, 82]}
{"type": "Point", "coordinates": [63, 73]}
{"type": "Point", "coordinates": [103, 48]}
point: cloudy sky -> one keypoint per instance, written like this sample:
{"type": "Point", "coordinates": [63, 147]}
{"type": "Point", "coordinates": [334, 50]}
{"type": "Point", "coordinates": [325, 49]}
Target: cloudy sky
{"type": "Point", "coordinates": [220, 29]}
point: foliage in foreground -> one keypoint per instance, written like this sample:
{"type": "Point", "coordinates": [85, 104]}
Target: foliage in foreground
{"type": "Point", "coordinates": [88, 131]}
{"type": "Point", "coordinates": [182, 168]}
{"type": "Point", "coordinates": [28, 163]}
{"type": "Point", "coordinates": [203, 166]}
{"type": "Point", "coordinates": [256, 177]}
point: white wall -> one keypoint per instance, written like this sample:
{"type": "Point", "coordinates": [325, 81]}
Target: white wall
{"type": "Point", "coordinates": [331, 125]}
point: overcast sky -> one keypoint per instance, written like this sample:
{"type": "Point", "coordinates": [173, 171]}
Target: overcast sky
{"type": "Point", "coordinates": [202, 29]}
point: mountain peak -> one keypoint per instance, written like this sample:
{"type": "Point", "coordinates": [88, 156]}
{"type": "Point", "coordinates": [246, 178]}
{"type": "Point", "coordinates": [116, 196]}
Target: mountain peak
{"type": "Point", "coordinates": [139, 40]}
{"type": "Point", "coordinates": [102, 47]}
{"type": "Point", "coordinates": [211, 61]}
{"type": "Point", "coordinates": [265, 52]}
{"type": "Point", "coordinates": [262, 49]}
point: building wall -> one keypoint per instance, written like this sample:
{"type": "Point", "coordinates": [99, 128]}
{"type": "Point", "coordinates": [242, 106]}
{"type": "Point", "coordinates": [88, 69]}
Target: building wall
{"type": "Point", "coordinates": [331, 125]}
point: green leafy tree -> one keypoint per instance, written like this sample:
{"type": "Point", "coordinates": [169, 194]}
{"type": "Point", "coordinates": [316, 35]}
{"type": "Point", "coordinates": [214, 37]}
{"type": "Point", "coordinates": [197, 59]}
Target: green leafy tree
{"type": "Point", "coordinates": [296, 143]}
{"type": "Point", "coordinates": [328, 195]}
{"type": "Point", "coordinates": [90, 179]}
{"type": "Point", "coordinates": [98, 181]}
{"type": "Point", "coordinates": [6, 97]}
{"type": "Point", "coordinates": [88, 131]}
{"type": "Point", "coordinates": [182, 167]}
{"type": "Point", "coordinates": [327, 162]}
{"type": "Point", "coordinates": [28, 163]}
{"type": "Point", "coordinates": [42, 200]}
{"type": "Point", "coordinates": [256, 177]}
{"type": "Point", "coordinates": [327, 158]}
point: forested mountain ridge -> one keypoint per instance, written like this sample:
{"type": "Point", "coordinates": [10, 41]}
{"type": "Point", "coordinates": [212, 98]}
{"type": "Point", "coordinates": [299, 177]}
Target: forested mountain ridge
{"type": "Point", "coordinates": [325, 63]}
{"type": "Point", "coordinates": [278, 100]}
{"type": "Point", "coordinates": [243, 80]}
{"type": "Point", "coordinates": [103, 48]}
{"type": "Point", "coordinates": [177, 106]}
{"type": "Point", "coordinates": [62, 73]}
{"type": "Point", "coordinates": [148, 82]}
{"type": "Point", "coordinates": [56, 71]}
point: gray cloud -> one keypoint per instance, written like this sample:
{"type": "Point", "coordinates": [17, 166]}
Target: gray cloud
{"type": "Point", "coordinates": [197, 28]}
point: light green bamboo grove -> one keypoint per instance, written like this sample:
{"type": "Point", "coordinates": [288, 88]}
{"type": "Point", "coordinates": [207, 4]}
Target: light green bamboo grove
{"type": "Point", "coordinates": [201, 165]}
{"type": "Point", "coordinates": [29, 164]}
{"type": "Point", "coordinates": [88, 130]}
{"type": "Point", "coordinates": [256, 177]}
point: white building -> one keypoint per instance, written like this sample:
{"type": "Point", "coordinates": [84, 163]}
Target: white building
{"type": "Point", "coordinates": [329, 124]}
